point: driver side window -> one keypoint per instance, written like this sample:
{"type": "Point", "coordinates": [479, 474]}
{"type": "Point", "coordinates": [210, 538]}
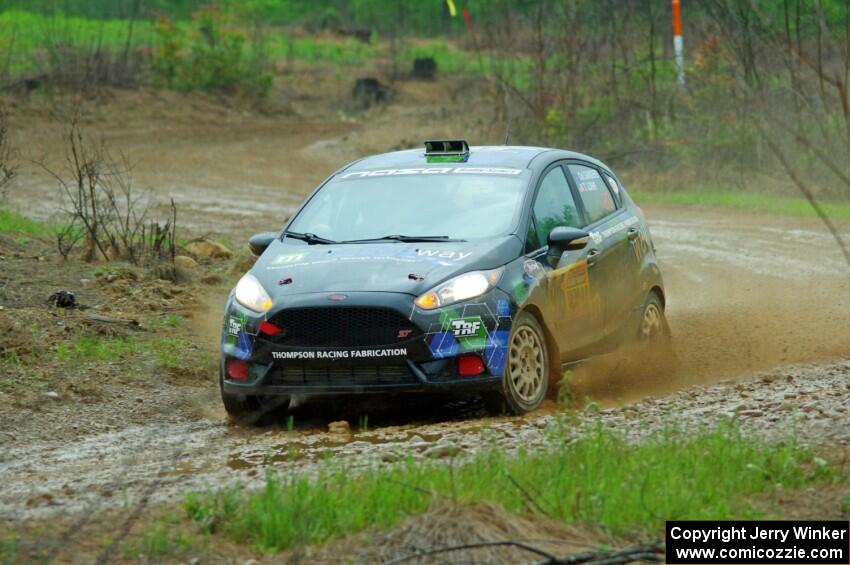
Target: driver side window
{"type": "Point", "coordinates": [554, 205]}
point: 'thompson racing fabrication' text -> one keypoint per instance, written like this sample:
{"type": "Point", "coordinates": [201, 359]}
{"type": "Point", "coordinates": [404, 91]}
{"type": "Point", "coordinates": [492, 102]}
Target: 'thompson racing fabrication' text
{"type": "Point", "coordinates": [341, 354]}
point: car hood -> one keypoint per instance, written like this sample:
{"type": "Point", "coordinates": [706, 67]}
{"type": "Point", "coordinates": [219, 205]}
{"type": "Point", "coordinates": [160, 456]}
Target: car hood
{"type": "Point", "coordinates": [412, 268]}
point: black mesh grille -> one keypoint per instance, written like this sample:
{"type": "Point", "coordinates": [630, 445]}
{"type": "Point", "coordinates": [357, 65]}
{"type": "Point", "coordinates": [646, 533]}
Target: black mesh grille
{"type": "Point", "coordinates": [342, 327]}
{"type": "Point", "coordinates": [342, 376]}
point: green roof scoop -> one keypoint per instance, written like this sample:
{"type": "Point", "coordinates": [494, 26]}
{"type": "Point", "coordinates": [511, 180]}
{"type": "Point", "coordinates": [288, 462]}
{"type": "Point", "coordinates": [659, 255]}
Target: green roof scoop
{"type": "Point", "coordinates": [446, 151]}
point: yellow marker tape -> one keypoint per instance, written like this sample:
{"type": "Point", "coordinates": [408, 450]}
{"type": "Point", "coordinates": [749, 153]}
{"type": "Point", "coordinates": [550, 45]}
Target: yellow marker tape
{"type": "Point", "coordinates": [452, 9]}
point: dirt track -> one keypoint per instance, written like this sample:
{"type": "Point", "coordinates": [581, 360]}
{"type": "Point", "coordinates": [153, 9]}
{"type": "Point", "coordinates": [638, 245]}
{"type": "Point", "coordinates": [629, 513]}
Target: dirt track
{"type": "Point", "coordinates": [746, 293]}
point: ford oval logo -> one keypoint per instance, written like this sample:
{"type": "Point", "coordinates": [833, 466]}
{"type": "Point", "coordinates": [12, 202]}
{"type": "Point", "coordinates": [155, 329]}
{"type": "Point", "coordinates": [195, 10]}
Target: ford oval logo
{"type": "Point", "coordinates": [337, 297]}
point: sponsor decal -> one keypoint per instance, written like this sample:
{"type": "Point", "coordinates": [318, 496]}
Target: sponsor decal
{"type": "Point", "coordinates": [288, 259]}
{"type": "Point", "coordinates": [430, 171]}
{"type": "Point", "coordinates": [404, 333]}
{"type": "Point", "coordinates": [463, 331]}
{"type": "Point", "coordinates": [533, 269]}
{"type": "Point", "coordinates": [442, 254]}
{"type": "Point", "coordinates": [596, 237]}
{"type": "Point", "coordinates": [627, 223]}
{"type": "Point", "coordinates": [359, 254]}
{"type": "Point", "coordinates": [469, 331]}
{"type": "Point", "coordinates": [570, 291]}
{"type": "Point", "coordinates": [337, 297]}
{"type": "Point", "coordinates": [466, 327]}
{"type": "Point", "coordinates": [341, 354]}
{"type": "Point", "coordinates": [236, 341]}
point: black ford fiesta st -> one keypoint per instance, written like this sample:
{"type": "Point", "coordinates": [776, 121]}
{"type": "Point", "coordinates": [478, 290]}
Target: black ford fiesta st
{"type": "Point", "coordinates": [450, 269]}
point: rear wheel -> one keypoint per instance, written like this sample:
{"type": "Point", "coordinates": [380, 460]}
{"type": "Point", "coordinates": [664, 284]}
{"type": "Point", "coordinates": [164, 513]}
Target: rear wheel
{"type": "Point", "coordinates": [653, 329]}
{"type": "Point", "coordinates": [526, 378]}
{"type": "Point", "coordinates": [653, 337]}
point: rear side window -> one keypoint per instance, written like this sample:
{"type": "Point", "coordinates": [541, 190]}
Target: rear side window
{"type": "Point", "coordinates": [593, 191]}
{"type": "Point", "coordinates": [615, 189]}
{"type": "Point", "coordinates": [554, 205]}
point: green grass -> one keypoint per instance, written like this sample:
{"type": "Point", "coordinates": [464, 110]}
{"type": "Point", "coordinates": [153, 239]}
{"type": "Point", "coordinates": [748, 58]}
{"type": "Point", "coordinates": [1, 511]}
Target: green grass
{"type": "Point", "coordinates": [12, 222]}
{"type": "Point", "coordinates": [23, 33]}
{"type": "Point", "coordinates": [348, 52]}
{"type": "Point", "coordinates": [97, 348]}
{"type": "Point", "coordinates": [761, 202]}
{"type": "Point", "coordinates": [8, 550]}
{"type": "Point", "coordinates": [161, 540]}
{"type": "Point", "coordinates": [170, 352]}
{"type": "Point", "coordinates": [166, 321]}
{"type": "Point", "coordinates": [599, 479]}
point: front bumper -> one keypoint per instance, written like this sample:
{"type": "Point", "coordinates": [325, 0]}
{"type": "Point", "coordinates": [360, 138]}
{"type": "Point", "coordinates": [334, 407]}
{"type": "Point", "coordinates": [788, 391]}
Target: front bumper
{"type": "Point", "coordinates": [424, 361]}
{"type": "Point", "coordinates": [415, 381]}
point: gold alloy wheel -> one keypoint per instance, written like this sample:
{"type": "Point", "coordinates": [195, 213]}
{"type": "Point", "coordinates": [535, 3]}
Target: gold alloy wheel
{"type": "Point", "coordinates": [526, 364]}
{"type": "Point", "coordinates": [652, 324]}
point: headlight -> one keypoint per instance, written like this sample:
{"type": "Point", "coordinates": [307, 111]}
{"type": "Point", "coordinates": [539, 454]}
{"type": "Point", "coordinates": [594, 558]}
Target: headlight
{"type": "Point", "coordinates": [251, 294]}
{"type": "Point", "coordinates": [463, 287]}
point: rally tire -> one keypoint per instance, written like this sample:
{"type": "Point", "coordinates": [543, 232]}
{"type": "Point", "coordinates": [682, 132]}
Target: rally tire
{"type": "Point", "coordinates": [526, 379]}
{"type": "Point", "coordinates": [653, 329]}
{"type": "Point", "coordinates": [248, 410]}
{"type": "Point", "coordinates": [654, 337]}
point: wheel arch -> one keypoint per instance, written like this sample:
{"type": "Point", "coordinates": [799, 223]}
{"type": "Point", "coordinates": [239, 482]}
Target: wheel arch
{"type": "Point", "coordinates": [552, 350]}
{"type": "Point", "coordinates": [658, 291]}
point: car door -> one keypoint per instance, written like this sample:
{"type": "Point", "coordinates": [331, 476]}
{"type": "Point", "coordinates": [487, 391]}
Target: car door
{"type": "Point", "coordinates": [612, 229]}
{"type": "Point", "coordinates": [572, 312]}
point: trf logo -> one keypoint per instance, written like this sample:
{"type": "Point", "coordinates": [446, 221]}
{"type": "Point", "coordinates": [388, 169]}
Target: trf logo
{"type": "Point", "coordinates": [463, 328]}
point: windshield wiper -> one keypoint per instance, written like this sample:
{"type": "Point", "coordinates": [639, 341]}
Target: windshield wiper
{"type": "Point", "coordinates": [406, 238]}
{"type": "Point", "coordinates": [310, 238]}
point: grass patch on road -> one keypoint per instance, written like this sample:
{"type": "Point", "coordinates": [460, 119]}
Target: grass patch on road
{"type": "Point", "coordinates": [89, 348]}
{"type": "Point", "coordinates": [171, 352]}
{"type": "Point", "coordinates": [599, 478]}
{"type": "Point", "coordinates": [748, 201]}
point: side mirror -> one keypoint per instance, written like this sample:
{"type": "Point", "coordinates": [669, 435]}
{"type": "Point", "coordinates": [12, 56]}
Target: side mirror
{"type": "Point", "coordinates": [258, 242]}
{"type": "Point", "coordinates": [567, 239]}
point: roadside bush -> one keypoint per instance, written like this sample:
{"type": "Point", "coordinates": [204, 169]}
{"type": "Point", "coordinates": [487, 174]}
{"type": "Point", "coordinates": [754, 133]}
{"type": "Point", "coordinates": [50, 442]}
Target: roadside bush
{"type": "Point", "coordinates": [209, 53]}
{"type": "Point", "coordinates": [102, 208]}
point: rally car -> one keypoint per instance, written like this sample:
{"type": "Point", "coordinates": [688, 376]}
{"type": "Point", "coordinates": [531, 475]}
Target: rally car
{"type": "Point", "coordinates": [452, 268]}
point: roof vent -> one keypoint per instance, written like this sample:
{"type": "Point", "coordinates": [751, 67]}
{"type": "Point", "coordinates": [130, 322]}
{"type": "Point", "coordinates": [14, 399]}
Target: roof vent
{"type": "Point", "coordinates": [446, 150]}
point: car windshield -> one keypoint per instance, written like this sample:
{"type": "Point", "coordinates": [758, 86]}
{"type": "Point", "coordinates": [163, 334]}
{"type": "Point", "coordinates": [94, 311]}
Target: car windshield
{"type": "Point", "coordinates": [457, 205]}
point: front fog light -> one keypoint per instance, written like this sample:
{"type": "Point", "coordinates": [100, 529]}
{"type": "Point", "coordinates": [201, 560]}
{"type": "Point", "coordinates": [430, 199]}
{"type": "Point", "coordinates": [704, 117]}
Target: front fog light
{"type": "Point", "coordinates": [463, 287]}
{"type": "Point", "coordinates": [251, 294]}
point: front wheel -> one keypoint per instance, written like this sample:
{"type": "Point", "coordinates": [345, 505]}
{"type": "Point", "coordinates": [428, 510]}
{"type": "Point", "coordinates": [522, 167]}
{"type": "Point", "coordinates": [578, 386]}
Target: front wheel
{"type": "Point", "coordinates": [248, 410]}
{"type": "Point", "coordinates": [526, 378]}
